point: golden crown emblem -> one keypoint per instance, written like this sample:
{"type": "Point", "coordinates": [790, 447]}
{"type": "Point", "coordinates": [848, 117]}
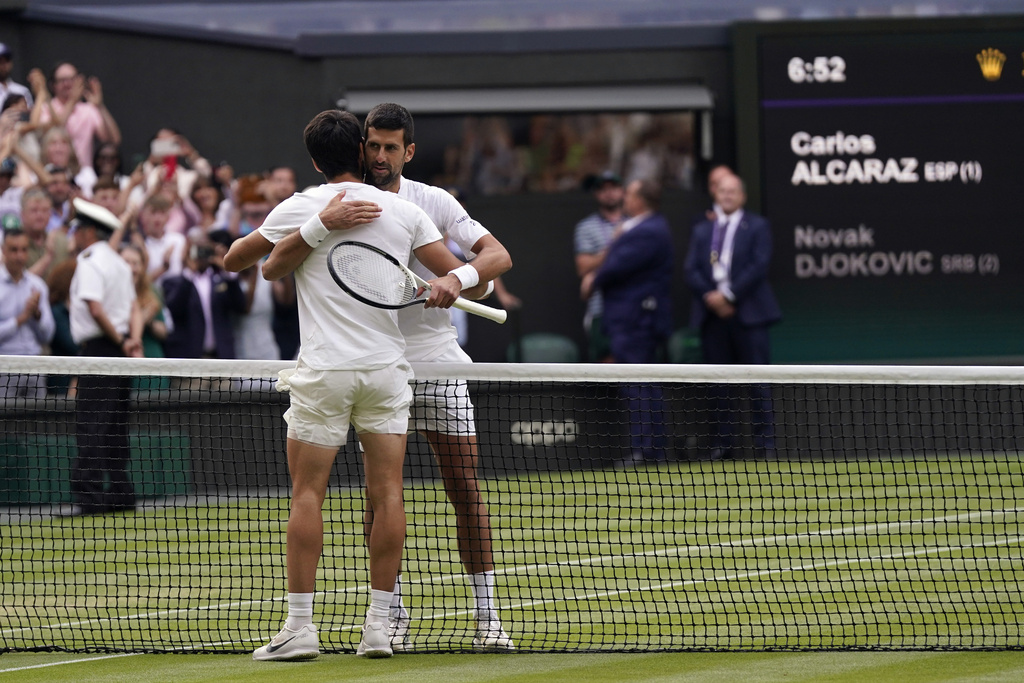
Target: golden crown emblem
{"type": "Point", "coordinates": [991, 61]}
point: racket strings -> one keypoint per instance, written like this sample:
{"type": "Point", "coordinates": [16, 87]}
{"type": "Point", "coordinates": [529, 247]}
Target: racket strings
{"type": "Point", "coordinates": [373, 276]}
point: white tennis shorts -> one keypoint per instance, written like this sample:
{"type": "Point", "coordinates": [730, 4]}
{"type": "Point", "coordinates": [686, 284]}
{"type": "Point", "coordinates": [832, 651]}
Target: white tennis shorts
{"type": "Point", "coordinates": [443, 406]}
{"type": "Point", "coordinates": [325, 402]}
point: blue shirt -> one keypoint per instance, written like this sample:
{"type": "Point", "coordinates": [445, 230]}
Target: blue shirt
{"type": "Point", "coordinates": [592, 236]}
{"type": "Point", "coordinates": [27, 339]}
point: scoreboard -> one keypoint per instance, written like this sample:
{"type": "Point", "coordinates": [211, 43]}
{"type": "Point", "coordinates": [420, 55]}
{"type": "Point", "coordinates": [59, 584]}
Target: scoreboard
{"type": "Point", "coordinates": [889, 158]}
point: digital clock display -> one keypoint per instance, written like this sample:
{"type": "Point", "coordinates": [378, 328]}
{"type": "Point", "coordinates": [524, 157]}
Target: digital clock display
{"type": "Point", "coordinates": [817, 70]}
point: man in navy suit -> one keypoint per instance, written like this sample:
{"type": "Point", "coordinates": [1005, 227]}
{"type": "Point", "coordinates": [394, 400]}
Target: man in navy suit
{"type": "Point", "coordinates": [733, 305]}
{"type": "Point", "coordinates": [201, 301]}
{"type": "Point", "coordinates": [635, 280]}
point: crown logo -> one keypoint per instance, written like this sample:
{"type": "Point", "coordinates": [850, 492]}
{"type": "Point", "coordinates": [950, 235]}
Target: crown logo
{"type": "Point", "coordinates": [991, 61]}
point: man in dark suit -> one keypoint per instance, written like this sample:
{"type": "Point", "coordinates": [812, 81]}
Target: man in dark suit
{"type": "Point", "coordinates": [201, 301]}
{"type": "Point", "coordinates": [635, 280]}
{"type": "Point", "coordinates": [733, 306]}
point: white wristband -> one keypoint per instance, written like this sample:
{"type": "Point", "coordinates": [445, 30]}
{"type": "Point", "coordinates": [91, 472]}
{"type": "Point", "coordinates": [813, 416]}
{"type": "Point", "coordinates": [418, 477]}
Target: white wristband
{"type": "Point", "coordinates": [313, 231]}
{"type": "Point", "coordinates": [467, 274]}
{"type": "Point", "coordinates": [490, 289]}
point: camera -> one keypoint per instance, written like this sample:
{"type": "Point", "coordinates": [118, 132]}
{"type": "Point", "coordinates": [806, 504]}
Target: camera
{"type": "Point", "coordinates": [164, 147]}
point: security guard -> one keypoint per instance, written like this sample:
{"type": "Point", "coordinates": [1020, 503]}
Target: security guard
{"type": "Point", "coordinates": [106, 322]}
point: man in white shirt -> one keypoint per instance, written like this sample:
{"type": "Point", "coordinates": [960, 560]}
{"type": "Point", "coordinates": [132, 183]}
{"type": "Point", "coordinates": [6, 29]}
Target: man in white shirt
{"type": "Point", "coordinates": [105, 321]}
{"type": "Point", "coordinates": [166, 249]}
{"type": "Point", "coordinates": [26, 321]}
{"type": "Point", "coordinates": [350, 370]}
{"type": "Point", "coordinates": [442, 413]}
{"type": "Point", "coordinates": [7, 84]}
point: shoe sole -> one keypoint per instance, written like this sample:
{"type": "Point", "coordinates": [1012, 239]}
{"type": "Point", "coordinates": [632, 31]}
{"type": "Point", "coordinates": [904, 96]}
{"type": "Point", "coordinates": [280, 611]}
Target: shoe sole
{"type": "Point", "coordinates": [375, 654]}
{"type": "Point", "coordinates": [289, 657]}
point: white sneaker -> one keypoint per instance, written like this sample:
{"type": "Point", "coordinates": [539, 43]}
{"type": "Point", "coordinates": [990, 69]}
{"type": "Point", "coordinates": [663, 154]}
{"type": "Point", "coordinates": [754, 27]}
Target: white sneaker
{"type": "Point", "coordinates": [376, 642]}
{"type": "Point", "coordinates": [288, 644]}
{"type": "Point", "coordinates": [491, 637]}
{"type": "Point", "coordinates": [398, 633]}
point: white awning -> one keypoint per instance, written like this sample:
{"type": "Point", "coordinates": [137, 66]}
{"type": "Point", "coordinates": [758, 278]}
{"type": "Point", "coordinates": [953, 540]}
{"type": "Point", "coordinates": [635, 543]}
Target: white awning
{"type": "Point", "coordinates": [512, 100]}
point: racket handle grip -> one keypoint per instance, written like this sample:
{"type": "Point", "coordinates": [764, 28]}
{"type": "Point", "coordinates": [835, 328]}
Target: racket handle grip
{"type": "Point", "coordinates": [496, 314]}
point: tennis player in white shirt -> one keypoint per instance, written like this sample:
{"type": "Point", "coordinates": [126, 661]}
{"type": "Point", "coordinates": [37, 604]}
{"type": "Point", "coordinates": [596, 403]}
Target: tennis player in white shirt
{"type": "Point", "coordinates": [443, 413]}
{"type": "Point", "coordinates": [350, 370]}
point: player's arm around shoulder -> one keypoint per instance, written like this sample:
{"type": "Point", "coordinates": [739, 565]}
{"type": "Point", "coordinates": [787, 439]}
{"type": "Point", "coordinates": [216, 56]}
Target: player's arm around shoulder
{"type": "Point", "coordinates": [345, 215]}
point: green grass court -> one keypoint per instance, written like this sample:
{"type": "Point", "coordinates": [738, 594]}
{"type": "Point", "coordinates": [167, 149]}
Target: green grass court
{"type": "Point", "coordinates": [747, 555]}
{"type": "Point", "coordinates": [696, 667]}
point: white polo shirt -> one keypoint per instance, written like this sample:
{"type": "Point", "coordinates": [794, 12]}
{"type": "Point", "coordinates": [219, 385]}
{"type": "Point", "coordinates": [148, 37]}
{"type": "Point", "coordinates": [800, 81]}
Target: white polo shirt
{"type": "Point", "coordinates": [170, 247]}
{"type": "Point", "coordinates": [336, 331]}
{"type": "Point", "coordinates": [428, 331]}
{"type": "Point", "coordinates": [101, 275]}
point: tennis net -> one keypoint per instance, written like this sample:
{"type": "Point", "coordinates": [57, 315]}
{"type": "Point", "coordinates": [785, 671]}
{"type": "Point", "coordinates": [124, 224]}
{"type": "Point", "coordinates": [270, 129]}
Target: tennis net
{"type": "Point", "coordinates": [632, 508]}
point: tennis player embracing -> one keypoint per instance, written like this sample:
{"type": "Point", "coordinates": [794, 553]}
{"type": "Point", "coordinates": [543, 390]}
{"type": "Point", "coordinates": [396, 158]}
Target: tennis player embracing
{"type": "Point", "coordinates": [351, 370]}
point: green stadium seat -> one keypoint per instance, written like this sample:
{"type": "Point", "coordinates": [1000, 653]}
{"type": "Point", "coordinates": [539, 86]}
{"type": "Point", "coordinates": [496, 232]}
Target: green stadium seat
{"type": "Point", "coordinates": [684, 346]}
{"type": "Point", "coordinates": [543, 347]}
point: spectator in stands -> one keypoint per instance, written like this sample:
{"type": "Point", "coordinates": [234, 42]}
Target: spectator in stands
{"type": "Point", "coordinates": [105, 322]}
{"type": "Point", "coordinates": [18, 143]}
{"type": "Point", "coordinates": [77, 104]}
{"type": "Point", "coordinates": [635, 278]}
{"type": "Point", "coordinates": [252, 205]}
{"type": "Point", "coordinates": [62, 343]}
{"type": "Point", "coordinates": [202, 301]}
{"type": "Point", "coordinates": [174, 161]}
{"type": "Point", "coordinates": [590, 241]}
{"type": "Point", "coordinates": [10, 196]}
{"type": "Point", "coordinates": [254, 328]}
{"type": "Point", "coordinates": [46, 249]}
{"type": "Point", "coordinates": [57, 151]}
{"type": "Point", "coordinates": [58, 185]}
{"type": "Point", "coordinates": [151, 305]}
{"type": "Point", "coordinates": [107, 162]}
{"type": "Point", "coordinates": [279, 184]}
{"type": "Point", "coordinates": [733, 307]}
{"type": "Point", "coordinates": [26, 321]}
{"type": "Point", "coordinates": [7, 85]}
{"type": "Point", "coordinates": [107, 194]}
{"type": "Point", "coordinates": [166, 250]}
{"type": "Point", "coordinates": [204, 203]}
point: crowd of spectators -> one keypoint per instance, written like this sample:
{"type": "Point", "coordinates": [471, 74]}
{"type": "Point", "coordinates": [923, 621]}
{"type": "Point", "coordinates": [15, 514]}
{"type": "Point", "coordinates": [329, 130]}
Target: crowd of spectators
{"type": "Point", "coordinates": [179, 213]}
{"type": "Point", "coordinates": [555, 153]}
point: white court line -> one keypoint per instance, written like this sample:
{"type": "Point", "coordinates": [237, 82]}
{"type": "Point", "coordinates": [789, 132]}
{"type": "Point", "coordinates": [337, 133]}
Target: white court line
{"type": "Point", "coordinates": [70, 661]}
{"type": "Point", "coordinates": [677, 551]}
{"type": "Point", "coordinates": [733, 577]}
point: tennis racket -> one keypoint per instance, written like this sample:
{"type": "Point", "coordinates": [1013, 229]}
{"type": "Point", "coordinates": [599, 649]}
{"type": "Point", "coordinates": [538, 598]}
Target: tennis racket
{"type": "Point", "coordinates": [377, 278]}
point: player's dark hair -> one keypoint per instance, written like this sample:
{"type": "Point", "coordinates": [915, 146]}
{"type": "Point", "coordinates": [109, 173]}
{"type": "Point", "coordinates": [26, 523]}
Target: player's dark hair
{"type": "Point", "coordinates": [391, 116]}
{"type": "Point", "coordinates": [334, 142]}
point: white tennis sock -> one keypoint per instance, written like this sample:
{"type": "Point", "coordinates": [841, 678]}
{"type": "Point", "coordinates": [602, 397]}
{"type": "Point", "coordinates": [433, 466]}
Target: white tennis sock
{"type": "Point", "coordinates": [380, 603]}
{"type": "Point", "coordinates": [300, 611]}
{"type": "Point", "coordinates": [398, 610]}
{"type": "Point", "coordinates": [483, 595]}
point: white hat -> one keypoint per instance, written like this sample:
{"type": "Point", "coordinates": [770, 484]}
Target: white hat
{"type": "Point", "coordinates": [95, 215]}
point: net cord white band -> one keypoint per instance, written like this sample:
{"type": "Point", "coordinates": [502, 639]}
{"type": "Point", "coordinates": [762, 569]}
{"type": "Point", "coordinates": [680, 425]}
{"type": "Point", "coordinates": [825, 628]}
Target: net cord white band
{"type": "Point", "coordinates": [561, 372]}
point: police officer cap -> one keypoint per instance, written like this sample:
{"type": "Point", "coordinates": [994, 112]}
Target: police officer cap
{"type": "Point", "coordinates": [89, 214]}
